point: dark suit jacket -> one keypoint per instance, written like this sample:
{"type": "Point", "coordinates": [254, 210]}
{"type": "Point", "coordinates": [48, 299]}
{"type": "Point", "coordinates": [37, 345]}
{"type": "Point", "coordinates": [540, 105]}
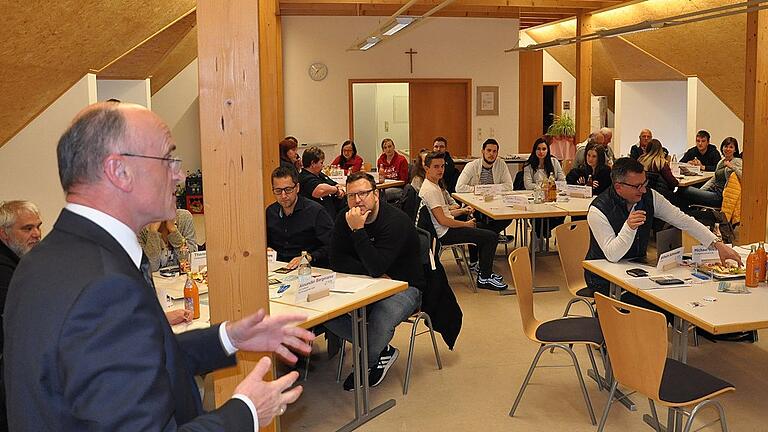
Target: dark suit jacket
{"type": "Point", "coordinates": [88, 347]}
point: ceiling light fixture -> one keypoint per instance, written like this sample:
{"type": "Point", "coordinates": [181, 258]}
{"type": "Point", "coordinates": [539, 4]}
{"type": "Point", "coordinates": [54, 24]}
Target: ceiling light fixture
{"type": "Point", "coordinates": [368, 43]}
{"type": "Point", "coordinates": [397, 25]}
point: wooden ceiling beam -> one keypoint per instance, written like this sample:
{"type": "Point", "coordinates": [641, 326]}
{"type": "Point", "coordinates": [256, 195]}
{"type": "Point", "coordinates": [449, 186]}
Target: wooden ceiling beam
{"type": "Point", "coordinates": [554, 4]}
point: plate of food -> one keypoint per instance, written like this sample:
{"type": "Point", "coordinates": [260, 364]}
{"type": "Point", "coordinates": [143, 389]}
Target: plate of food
{"type": "Point", "coordinates": [720, 271]}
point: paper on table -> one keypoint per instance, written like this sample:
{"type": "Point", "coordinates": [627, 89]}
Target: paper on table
{"type": "Point", "coordinates": [351, 284]}
{"type": "Point", "coordinates": [174, 286]}
{"type": "Point", "coordinates": [645, 284]}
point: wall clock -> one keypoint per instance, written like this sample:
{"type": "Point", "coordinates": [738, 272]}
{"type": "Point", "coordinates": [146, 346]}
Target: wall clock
{"type": "Point", "coordinates": [318, 71]}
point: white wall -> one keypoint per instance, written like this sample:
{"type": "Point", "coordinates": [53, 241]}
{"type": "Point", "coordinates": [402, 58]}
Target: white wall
{"type": "Point", "coordinates": [129, 91]}
{"type": "Point", "coordinates": [388, 127]}
{"type": "Point", "coordinates": [660, 106]}
{"type": "Point", "coordinates": [28, 161]}
{"type": "Point", "coordinates": [706, 111]}
{"type": "Point", "coordinates": [366, 132]}
{"type": "Point", "coordinates": [177, 104]}
{"type": "Point", "coordinates": [319, 111]}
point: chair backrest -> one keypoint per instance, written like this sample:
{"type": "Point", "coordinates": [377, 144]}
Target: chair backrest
{"type": "Point", "coordinates": [520, 266]}
{"type": "Point", "coordinates": [519, 183]}
{"type": "Point", "coordinates": [636, 339]}
{"type": "Point", "coordinates": [426, 247]}
{"type": "Point", "coordinates": [572, 246]}
{"type": "Point", "coordinates": [409, 202]}
{"type": "Point", "coordinates": [731, 206]}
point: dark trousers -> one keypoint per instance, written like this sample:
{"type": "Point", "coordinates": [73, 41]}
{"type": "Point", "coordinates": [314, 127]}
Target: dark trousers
{"type": "Point", "coordinates": [485, 240]}
{"type": "Point", "coordinates": [494, 225]}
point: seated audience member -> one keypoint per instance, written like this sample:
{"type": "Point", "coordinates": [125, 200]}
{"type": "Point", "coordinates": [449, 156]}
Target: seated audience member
{"type": "Point", "coordinates": [608, 144]}
{"type": "Point", "coordinates": [579, 157]}
{"type": "Point", "coordinates": [489, 169]}
{"type": "Point", "coordinates": [540, 165]}
{"type": "Point", "coordinates": [394, 166]}
{"type": "Point", "coordinates": [594, 172]}
{"type": "Point", "coordinates": [711, 194]}
{"type": "Point", "coordinates": [348, 160]}
{"type": "Point", "coordinates": [296, 223]}
{"type": "Point", "coordinates": [417, 177]}
{"type": "Point", "coordinates": [657, 170]}
{"type": "Point", "coordinates": [620, 224]}
{"type": "Point", "coordinates": [638, 149]}
{"type": "Point", "coordinates": [317, 186]}
{"type": "Point", "coordinates": [161, 241]}
{"type": "Point", "coordinates": [703, 154]}
{"type": "Point", "coordinates": [451, 230]}
{"type": "Point", "coordinates": [289, 157]}
{"type": "Point", "coordinates": [19, 232]}
{"type": "Point", "coordinates": [375, 239]}
{"type": "Point", "coordinates": [451, 175]}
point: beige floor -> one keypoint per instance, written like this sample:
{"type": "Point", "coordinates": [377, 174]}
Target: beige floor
{"type": "Point", "coordinates": [481, 377]}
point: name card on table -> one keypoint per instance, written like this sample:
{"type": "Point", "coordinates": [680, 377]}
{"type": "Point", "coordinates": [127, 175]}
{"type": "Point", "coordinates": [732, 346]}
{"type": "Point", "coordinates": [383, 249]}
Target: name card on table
{"type": "Point", "coordinates": [519, 202]}
{"type": "Point", "coordinates": [701, 253]}
{"type": "Point", "coordinates": [579, 191]}
{"type": "Point", "coordinates": [198, 260]}
{"type": "Point", "coordinates": [489, 189]}
{"type": "Point", "coordinates": [342, 179]}
{"type": "Point", "coordinates": [271, 256]}
{"type": "Point", "coordinates": [670, 259]}
{"type": "Point", "coordinates": [315, 288]}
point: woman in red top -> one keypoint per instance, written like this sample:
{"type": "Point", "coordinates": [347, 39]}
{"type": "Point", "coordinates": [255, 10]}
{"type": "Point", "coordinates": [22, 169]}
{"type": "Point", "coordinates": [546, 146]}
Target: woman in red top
{"type": "Point", "coordinates": [393, 164]}
{"type": "Point", "coordinates": [348, 160]}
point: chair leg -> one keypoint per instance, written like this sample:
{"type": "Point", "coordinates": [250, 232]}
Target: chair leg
{"type": "Point", "coordinates": [409, 365]}
{"type": "Point", "coordinates": [469, 273]}
{"type": "Point", "coordinates": [581, 382]}
{"type": "Point", "coordinates": [655, 415]}
{"type": "Point", "coordinates": [434, 341]}
{"type": "Point", "coordinates": [697, 409]}
{"type": "Point", "coordinates": [306, 363]}
{"type": "Point", "coordinates": [458, 260]}
{"type": "Point", "coordinates": [594, 367]}
{"type": "Point", "coordinates": [341, 359]}
{"type": "Point", "coordinates": [604, 418]}
{"type": "Point", "coordinates": [526, 380]}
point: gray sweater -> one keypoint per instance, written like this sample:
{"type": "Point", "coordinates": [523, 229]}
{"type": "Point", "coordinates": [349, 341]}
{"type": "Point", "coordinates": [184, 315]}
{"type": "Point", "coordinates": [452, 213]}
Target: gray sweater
{"type": "Point", "coordinates": [163, 254]}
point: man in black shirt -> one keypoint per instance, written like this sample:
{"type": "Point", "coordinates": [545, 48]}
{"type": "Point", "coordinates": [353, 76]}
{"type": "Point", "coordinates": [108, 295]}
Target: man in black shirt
{"type": "Point", "coordinates": [317, 186]}
{"type": "Point", "coordinates": [375, 239]}
{"type": "Point", "coordinates": [451, 175]}
{"type": "Point", "coordinates": [703, 154]}
{"type": "Point", "coordinates": [295, 223]}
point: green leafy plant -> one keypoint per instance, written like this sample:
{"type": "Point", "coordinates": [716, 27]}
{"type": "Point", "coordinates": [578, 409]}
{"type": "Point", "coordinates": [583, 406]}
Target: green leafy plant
{"type": "Point", "coordinates": [562, 125]}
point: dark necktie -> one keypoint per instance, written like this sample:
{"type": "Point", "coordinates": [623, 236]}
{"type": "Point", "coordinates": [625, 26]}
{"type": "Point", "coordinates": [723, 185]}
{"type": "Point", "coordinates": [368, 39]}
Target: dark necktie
{"type": "Point", "coordinates": [145, 271]}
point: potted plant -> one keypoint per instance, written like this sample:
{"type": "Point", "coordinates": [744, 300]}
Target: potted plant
{"type": "Point", "coordinates": [562, 132]}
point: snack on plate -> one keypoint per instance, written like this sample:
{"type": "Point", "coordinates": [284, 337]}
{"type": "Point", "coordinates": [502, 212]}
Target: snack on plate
{"type": "Point", "coordinates": [201, 277]}
{"type": "Point", "coordinates": [723, 270]}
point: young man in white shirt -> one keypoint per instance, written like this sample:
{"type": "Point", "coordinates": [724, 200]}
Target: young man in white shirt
{"type": "Point", "coordinates": [451, 231]}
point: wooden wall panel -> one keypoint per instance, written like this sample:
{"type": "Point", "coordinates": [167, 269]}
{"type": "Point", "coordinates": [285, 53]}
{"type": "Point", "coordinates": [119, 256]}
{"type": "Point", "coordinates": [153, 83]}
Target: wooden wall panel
{"type": "Point", "coordinates": [583, 78]}
{"type": "Point", "coordinates": [271, 74]}
{"type": "Point", "coordinates": [531, 101]}
{"type": "Point", "coordinates": [231, 137]}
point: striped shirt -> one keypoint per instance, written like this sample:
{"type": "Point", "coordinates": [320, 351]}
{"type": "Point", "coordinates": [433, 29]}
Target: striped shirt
{"type": "Point", "coordinates": [486, 175]}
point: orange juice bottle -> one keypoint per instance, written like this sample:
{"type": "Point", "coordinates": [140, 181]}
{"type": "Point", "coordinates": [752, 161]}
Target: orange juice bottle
{"type": "Point", "coordinates": [192, 297]}
{"type": "Point", "coordinates": [753, 269]}
{"type": "Point", "coordinates": [761, 256]}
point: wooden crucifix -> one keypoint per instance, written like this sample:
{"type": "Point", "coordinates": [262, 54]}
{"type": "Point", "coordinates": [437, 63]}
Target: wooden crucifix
{"type": "Point", "coordinates": [411, 52]}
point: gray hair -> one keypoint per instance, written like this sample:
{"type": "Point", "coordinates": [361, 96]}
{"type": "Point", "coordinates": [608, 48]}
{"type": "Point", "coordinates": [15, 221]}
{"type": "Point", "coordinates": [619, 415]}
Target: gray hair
{"type": "Point", "coordinates": [91, 137]}
{"type": "Point", "coordinates": [9, 212]}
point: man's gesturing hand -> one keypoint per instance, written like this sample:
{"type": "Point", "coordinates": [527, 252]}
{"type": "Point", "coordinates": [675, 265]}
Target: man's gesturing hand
{"type": "Point", "coordinates": [269, 397]}
{"type": "Point", "coordinates": [636, 218]}
{"type": "Point", "coordinates": [262, 333]}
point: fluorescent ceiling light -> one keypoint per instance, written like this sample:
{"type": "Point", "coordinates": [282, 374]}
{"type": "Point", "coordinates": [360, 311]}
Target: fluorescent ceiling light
{"type": "Point", "coordinates": [371, 41]}
{"type": "Point", "coordinates": [397, 25]}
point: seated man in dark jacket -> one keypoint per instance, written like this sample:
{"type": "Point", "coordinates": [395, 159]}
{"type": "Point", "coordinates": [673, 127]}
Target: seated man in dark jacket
{"type": "Point", "coordinates": [376, 239]}
{"type": "Point", "coordinates": [703, 154]}
{"type": "Point", "coordinates": [317, 186]}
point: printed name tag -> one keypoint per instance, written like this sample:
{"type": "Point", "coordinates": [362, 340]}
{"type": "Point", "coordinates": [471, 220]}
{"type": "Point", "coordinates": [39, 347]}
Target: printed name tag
{"type": "Point", "coordinates": [579, 191]}
{"type": "Point", "coordinates": [701, 253]}
{"type": "Point", "coordinates": [315, 288]}
{"type": "Point", "coordinates": [516, 201]}
{"type": "Point", "coordinates": [197, 260]}
{"type": "Point", "coordinates": [670, 259]}
{"type": "Point", "coordinates": [489, 189]}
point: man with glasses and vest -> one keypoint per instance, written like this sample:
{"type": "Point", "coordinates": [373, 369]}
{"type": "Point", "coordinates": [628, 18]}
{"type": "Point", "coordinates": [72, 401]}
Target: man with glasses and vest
{"type": "Point", "coordinates": [376, 239]}
{"type": "Point", "coordinates": [296, 223]}
{"type": "Point", "coordinates": [87, 344]}
{"type": "Point", "coordinates": [620, 221]}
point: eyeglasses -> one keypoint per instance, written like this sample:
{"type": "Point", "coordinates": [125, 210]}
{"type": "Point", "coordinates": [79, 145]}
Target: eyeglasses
{"type": "Point", "coordinates": [353, 196]}
{"type": "Point", "coordinates": [173, 163]}
{"type": "Point", "coordinates": [288, 190]}
{"type": "Point", "coordinates": [637, 186]}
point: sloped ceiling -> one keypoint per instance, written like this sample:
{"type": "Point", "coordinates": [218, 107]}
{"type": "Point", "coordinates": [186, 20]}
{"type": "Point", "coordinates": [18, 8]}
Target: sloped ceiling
{"type": "Point", "coordinates": [48, 46]}
{"type": "Point", "coordinates": [713, 50]}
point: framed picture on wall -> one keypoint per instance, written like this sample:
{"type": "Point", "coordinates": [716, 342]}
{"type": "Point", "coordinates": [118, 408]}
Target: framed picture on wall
{"type": "Point", "coordinates": [487, 100]}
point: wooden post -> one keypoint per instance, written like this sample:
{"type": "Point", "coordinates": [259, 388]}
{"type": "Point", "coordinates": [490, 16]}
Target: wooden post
{"type": "Point", "coordinates": [583, 78]}
{"type": "Point", "coordinates": [232, 159]}
{"type": "Point", "coordinates": [754, 199]}
{"type": "Point", "coordinates": [271, 73]}
{"type": "Point", "coordinates": [531, 99]}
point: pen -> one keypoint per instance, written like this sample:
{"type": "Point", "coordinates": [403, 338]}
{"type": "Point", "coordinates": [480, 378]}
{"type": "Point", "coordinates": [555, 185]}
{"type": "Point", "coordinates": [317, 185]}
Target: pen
{"type": "Point", "coordinates": [283, 288]}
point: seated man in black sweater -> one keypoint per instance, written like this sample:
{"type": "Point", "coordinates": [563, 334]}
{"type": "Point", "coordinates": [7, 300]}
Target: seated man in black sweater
{"type": "Point", "coordinates": [375, 239]}
{"type": "Point", "coordinates": [703, 154]}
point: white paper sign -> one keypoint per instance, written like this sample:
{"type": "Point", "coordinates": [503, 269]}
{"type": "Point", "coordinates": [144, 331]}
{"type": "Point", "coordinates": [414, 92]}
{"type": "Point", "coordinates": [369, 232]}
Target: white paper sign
{"type": "Point", "coordinates": [489, 189]}
{"type": "Point", "coordinates": [516, 201]}
{"type": "Point", "coordinates": [315, 285]}
{"type": "Point", "coordinates": [670, 259]}
{"type": "Point", "coordinates": [579, 191]}
{"type": "Point", "coordinates": [342, 179]}
{"type": "Point", "coordinates": [271, 256]}
{"type": "Point", "coordinates": [198, 260]}
{"type": "Point", "coordinates": [701, 253]}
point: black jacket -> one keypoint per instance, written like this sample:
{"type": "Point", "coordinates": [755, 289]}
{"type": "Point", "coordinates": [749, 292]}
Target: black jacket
{"type": "Point", "coordinates": [709, 159]}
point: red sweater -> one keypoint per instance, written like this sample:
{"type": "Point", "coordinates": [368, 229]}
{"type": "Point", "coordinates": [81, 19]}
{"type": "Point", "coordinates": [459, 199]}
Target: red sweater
{"type": "Point", "coordinates": [395, 170]}
{"type": "Point", "coordinates": [353, 165]}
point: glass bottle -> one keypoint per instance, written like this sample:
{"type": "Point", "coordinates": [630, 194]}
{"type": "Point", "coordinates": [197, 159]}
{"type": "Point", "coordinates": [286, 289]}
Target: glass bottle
{"type": "Point", "coordinates": [761, 256]}
{"type": "Point", "coordinates": [305, 268]}
{"type": "Point", "coordinates": [184, 256]}
{"type": "Point", "coordinates": [753, 269]}
{"type": "Point", "coordinates": [192, 297]}
{"type": "Point", "coordinates": [552, 193]}
{"type": "Point", "coordinates": [589, 180]}
{"type": "Point", "coordinates": [544, 190]}
{"type": "Point", "coordinates": [537, 194]}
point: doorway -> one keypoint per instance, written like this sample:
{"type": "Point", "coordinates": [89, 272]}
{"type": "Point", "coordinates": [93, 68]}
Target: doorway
{"type": "Point", "coordinates": [553, 103]}
{"type": "Point", "coordinates": [411, 112]}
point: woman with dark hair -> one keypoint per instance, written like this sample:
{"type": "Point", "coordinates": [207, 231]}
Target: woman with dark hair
{"type": "Point", "coordinates": [348, 160]}
{"type": "Point", "coordinates": [419, 172]}
{"type": "Point", "coordinates": [540, 165]}
{"type": "Point", "coordinates": [594, 168]}
{"type": "Point", "coordinates": [289, 157]}
{"type": "Point", "coordinates": [658, 171]}
{"type": "Point", "coordinates": [711, 194]}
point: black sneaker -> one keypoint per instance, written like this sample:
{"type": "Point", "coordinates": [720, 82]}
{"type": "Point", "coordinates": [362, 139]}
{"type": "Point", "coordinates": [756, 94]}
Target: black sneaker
{"type": "Point", "coordinates": [491, 283]}
{"type": "Point", "coordinates": [386, 360]}
{"type": "Point", "coordinates": [474, 267]}
{"type": "Point", "coordinates": [349, 383]}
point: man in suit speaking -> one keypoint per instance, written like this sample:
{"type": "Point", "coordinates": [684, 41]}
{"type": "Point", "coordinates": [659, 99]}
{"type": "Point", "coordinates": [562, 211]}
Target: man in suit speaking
{"type": "Point", "coordinates": [87, 344]}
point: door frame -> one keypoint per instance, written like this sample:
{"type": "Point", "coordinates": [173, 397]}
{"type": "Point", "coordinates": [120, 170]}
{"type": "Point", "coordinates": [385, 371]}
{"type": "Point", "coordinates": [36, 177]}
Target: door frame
{"type": "Point", "coordinates": [466, 81]}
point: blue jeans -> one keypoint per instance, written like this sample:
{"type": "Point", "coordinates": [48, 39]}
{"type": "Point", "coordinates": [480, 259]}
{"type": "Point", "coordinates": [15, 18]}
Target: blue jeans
{"type": "Point", "coordinates": [692, 195]}
{"type": "Point", "coordinates": [383, 317]}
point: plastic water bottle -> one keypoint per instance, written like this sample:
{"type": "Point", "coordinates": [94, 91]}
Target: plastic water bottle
{"type": "Point", "coordinates": [305, 269]}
